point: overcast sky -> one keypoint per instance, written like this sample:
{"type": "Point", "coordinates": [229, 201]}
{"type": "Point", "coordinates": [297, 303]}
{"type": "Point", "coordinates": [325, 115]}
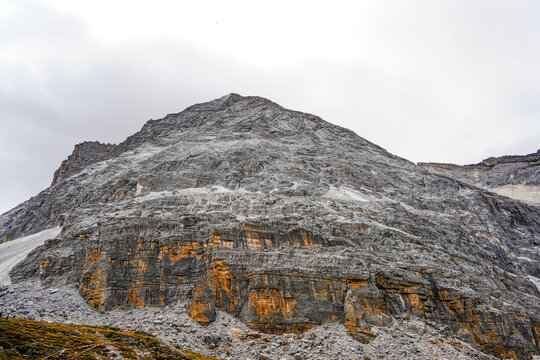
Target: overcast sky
{"type": "Point", "coordinates": [447, 81]}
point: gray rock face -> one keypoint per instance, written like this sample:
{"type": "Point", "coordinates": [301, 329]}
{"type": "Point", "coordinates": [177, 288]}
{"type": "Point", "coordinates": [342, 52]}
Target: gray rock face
{"type": "Point", "coordinates": [516, 176]}
{"type": "Point", "coordinates": [84, 154]}
{"type": "Point", "coordinates": [228, 338]}
{"type": "Point", "coordinates": [287, 222]}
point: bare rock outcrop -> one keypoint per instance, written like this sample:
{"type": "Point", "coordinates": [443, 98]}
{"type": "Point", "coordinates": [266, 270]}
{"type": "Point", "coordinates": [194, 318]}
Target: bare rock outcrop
{"type": "Point", "coordinates": [287, 222]}
{"type": "Point", "coordinates": [515, 176]}
{"type": "Point", "coordinates": [84, 154]}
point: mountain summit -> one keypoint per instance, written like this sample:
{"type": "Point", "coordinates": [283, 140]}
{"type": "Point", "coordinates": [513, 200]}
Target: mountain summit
{"type": "Point", "coordinates": [286, 222]}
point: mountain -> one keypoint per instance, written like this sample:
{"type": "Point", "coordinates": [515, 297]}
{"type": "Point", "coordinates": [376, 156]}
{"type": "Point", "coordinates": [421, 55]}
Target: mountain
{"type": "Point", "coordinates": [287, 223]}
{"type": "Point", "coordinates": [84, 154]}
{"type": "Point", "coordinates": [515, 176]}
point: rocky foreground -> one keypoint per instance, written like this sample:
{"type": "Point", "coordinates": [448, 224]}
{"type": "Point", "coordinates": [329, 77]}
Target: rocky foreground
{"type": "Point", "coordinates": [280, 234]}
{"type": "Point", "coordinates": [229, 338]}
{"type": "Point", "coordinates": [26, 339]}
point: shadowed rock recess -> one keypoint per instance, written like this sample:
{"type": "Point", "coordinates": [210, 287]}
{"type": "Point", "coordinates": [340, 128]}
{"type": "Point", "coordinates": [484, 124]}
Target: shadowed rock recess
{"type": "Point", "coordinates": [286, 222]}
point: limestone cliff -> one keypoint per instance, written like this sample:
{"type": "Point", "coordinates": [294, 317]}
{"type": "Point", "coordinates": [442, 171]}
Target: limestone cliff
{"type": "Point", "coordinates": [515, 176]}
{"type": "Point", "coordinates": [84, 154]}
{"type": "Point", "coordinates": [287, 221]}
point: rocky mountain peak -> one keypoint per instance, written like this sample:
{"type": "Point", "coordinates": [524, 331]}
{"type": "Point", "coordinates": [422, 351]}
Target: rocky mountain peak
{"type": "Point", "coordinates": [224, 102]}
{"type": "Point", "coordinates": [84, 154]}
{"type": "Point", "coordinates": [234, 113]}
{"type": "Point", "coordinates": [286, 222]}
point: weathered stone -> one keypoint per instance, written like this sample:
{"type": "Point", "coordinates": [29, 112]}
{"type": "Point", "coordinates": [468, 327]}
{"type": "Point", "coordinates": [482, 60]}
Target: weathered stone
{"type": "Point", "coordinates": [287, 222]}
{"type": "Point", "coordinates": [84, 154]}
{"type": "Point", "coordinates": [515, 176]}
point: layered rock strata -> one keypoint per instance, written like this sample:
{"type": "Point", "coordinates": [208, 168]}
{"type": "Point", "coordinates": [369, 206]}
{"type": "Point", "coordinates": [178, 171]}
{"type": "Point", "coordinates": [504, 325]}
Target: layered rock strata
{"type": "Point", "coordinates": [286, 222]}
{"type": "Point", "coordinates": [84, 154]}
{"type": "Point", "coordinates": [515, 176]}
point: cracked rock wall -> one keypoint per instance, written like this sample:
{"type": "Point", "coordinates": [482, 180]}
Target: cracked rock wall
{"type": "Point", "coordinates": [287, 222]}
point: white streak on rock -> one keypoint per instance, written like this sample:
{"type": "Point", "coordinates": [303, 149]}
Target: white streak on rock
{"type": "Point", "coordinates": [12, 252]}
{"type": "Point", "coordinates": [347, 194]}
{"type": "Point", "coordinates": [535, 281]}
{"type": "Point", "coordinates": [520, 192]}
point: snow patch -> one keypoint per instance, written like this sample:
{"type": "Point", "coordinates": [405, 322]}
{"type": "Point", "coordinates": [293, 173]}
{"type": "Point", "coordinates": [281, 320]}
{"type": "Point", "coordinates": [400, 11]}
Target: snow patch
{"type": "Point", "coordinates": [190, 192]}
{"type": "Point", "coordinates": [12, 252]}
{"type": "Point", "coordinates": [520, 192]}
{"type": "Point", "coordinates": [154, 195]}
{"type": "Point", "coordinates": [347, 194]}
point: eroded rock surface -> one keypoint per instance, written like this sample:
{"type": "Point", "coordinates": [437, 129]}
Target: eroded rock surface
{"type": "Point", "coordinates": [84, 154]}
{"type": "Point", "coordinates": [515, 176]}
{"type": "Point", "coordinates": [287, 222]}
{"type": "Point", "coordinates": [228, 338]}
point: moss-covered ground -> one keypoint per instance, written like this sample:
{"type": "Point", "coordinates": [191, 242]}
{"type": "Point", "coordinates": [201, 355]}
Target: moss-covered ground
{"type": "Point", "coordinates": [26, 339]}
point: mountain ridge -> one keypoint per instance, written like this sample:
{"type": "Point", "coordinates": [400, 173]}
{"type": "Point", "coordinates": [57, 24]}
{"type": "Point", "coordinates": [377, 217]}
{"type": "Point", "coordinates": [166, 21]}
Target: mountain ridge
{"type": "Point", "coordinates": [515, 176]}
{"type": "Point", "coordinates": [169, 124]}
{"type": "Point", "coordinates": [287, 222]}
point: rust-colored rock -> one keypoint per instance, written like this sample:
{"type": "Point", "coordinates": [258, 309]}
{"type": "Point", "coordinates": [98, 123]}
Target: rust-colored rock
{"type": "Point", "coordinates": [287, 222]}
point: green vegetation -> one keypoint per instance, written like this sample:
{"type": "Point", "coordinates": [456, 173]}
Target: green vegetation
{"type": "Point", "coordinates": [192, 355]}
{"type": "Point", "coordinates": [26, 339]}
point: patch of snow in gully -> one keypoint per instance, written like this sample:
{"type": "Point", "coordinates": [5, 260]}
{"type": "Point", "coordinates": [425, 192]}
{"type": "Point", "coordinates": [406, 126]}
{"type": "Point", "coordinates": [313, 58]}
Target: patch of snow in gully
{"type": "Point", "coordinates": [12, 252]}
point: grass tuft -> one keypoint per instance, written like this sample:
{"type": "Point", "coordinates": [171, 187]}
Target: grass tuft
{"type": "Point", "coordinates": [27, 339]}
